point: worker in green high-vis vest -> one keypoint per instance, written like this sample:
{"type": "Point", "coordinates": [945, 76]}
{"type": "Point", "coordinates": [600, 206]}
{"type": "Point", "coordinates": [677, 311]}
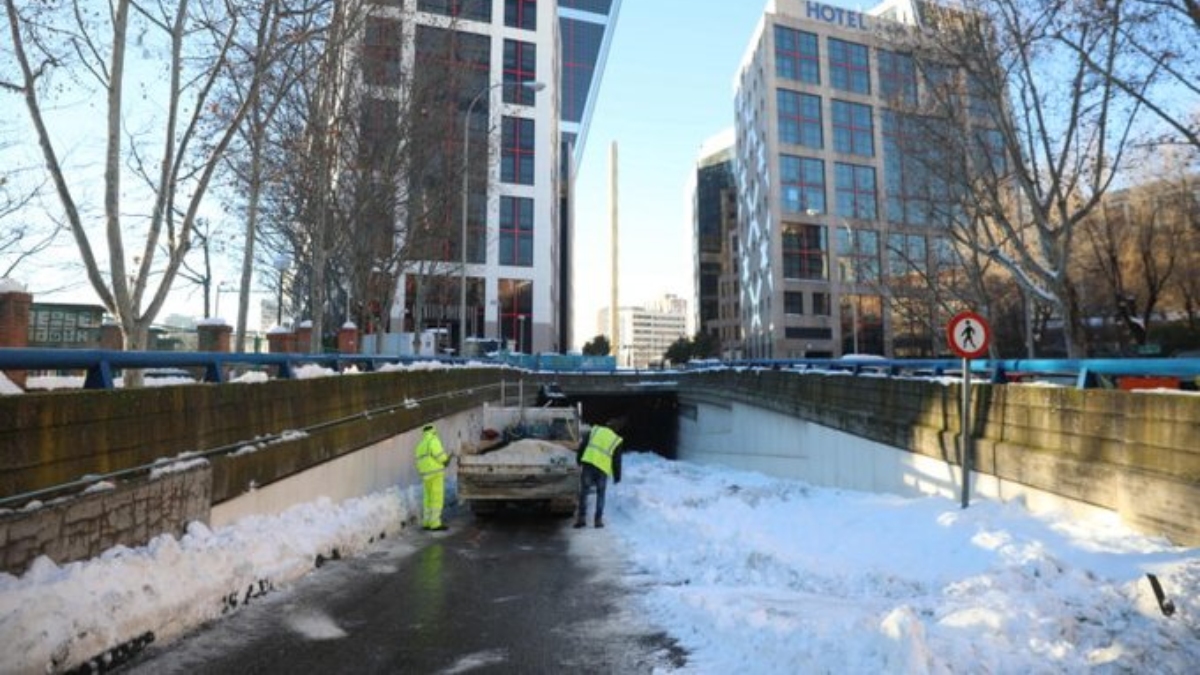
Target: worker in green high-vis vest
{"type": "Point", "coordinates": [600, 457]}
{"type": "Point", "coordinates": [432, 459]}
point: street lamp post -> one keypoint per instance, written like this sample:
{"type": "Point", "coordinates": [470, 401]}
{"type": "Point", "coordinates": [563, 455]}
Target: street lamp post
{"type": "Point", "coordinates": [281, 264]}
{"type": "Point", "coordinates": [462, 289]}
{"type": "Point", "coordinates": [853, 241]}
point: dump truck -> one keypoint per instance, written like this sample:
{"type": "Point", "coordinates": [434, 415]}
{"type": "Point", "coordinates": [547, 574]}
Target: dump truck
{"type": "Point", "coordinates": [522, 456]}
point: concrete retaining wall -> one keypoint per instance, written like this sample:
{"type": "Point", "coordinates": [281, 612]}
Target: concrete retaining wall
{"type": "Point", "coordinates": [1134, 453]}
{"type": "Point", "coordinates": [130, 514]}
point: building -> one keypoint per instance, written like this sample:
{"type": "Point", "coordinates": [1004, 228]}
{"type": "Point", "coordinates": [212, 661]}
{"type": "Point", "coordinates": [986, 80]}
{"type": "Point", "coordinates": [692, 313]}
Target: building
{"type": "Point", "coordinates": [521, 78]}
{"type": "Point", "coordinates": [645, 333]}
{"type": "Point", "coordinates": [715, 261]}
{"type": "Point", "coordinates": [834, 222]}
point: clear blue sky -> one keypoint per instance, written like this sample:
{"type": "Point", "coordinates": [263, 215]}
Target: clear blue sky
{"type": "Point", "coordinates": [667, 87]}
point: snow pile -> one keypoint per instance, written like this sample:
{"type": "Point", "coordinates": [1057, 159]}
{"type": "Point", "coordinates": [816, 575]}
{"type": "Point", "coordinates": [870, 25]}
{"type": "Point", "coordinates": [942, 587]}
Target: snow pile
{"type": "Point", "coordinates": [527, 451]}
{"type": "Point", "coordinates": [7, 387]}
{"type": "Point", "coordinates": [54, 617]}
{"type": "Point", "coordinates": [764, 575]}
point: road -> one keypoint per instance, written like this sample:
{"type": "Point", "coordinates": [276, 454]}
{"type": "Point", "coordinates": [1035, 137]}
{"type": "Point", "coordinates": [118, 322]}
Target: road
{"type": "Point", "coordinates": [514, 593]}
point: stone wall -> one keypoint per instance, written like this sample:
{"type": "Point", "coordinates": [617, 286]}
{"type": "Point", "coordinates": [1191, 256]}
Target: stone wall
{"type": "Point", "coordinates": [130, 513]}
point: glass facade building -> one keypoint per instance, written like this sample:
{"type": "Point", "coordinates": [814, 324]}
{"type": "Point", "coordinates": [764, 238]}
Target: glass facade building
{"type": "Point", "coordinates": [839, 217]}
{"type": "Point", "coordinates": [516, 80]}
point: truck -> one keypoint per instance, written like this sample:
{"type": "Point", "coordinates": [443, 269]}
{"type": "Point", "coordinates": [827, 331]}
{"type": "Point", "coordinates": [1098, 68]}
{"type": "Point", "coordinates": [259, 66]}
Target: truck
{"type": "Point", "coordinates": [522, 456]}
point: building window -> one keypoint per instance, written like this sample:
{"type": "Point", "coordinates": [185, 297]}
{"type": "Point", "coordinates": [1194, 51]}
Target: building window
{"type": "Point", "coordinates": [516, 231]}
{"type": "Point", "coordinates": [854, 186]}
{"type": "Point", "coordinates": [381, 51]}
{"type": "Point", "coordinates": [520, 66]}
{"type": "Point", "coordinates": [476, 10]}
{"type": "Point", "coordinates": [913, 148]}
{"type": "Point", "coordinates": [520, 14]}
{"type": "Point", "coordinates": [516, 164]}
{"type": "Point", "coordinates": [897, 78]}
{"type": "Point", "coordinates": [859, 252]}
{"type": "Point", "coordinates": [806, 333]}
{"type": "Point", "coordinates": [802, 184]}
{"type": "Point", "coordinates": [793, 302]}
{"type": "Point", "coordinates": [804, 252]}
{"type": "Point", "coordinates": [797, 55]}
{"type": "Point", "coordinates": [516, 312]}
{"type": "Point", "coordinates": [820, 304]}
{"type": "Point", "coordinates": [849, 66]}
{"type": "Point", "coordinates": [853, 130]}
{"type": "Point", "coordinates": [800, 119]}
{"type": "Point", "coordinates": [581, 42]}
{"type": "Point", "coordinates": [906, 258]}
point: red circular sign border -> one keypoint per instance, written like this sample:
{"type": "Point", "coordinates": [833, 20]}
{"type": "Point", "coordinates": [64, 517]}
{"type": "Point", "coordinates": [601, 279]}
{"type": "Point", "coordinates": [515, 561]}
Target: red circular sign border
{"type": "Point", "coordinates": [984, 328]}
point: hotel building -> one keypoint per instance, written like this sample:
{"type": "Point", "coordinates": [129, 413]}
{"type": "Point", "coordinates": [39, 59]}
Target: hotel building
{"type": "Point", "coordinates": [835, 224]}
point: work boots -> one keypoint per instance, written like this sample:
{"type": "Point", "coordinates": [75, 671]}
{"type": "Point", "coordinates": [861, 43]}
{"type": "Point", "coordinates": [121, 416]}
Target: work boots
{"type": "Point", "coordinates": [579, 522]}
{"type": "Point", "coordinates": [599, 521]}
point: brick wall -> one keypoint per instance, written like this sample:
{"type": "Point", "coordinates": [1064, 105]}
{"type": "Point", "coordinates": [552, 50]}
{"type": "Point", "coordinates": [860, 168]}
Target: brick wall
{"type": "Point", "coordinates": [14, 327]}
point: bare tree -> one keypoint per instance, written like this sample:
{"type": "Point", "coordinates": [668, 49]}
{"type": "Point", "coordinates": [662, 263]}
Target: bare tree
{"type": "Point", "coordinates": [21, 239]}
{"type": "Point", "coordinates": [1157, 64]}
{"type": "Point", "coordinates": [156, 163]}
{"type": "Point", "coordinates": [1034, 138]}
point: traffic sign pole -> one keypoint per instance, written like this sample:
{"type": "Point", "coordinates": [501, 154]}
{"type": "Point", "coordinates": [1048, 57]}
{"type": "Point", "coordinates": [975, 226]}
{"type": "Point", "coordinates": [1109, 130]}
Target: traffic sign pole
{"type": "Point", "coordinates": [969, 336]}
{"type": "Point", "coordinates": [966, 433]}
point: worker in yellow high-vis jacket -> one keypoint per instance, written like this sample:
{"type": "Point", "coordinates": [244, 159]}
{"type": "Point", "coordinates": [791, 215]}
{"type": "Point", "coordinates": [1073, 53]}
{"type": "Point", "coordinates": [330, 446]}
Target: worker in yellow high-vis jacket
{"type": "Point", "coordinates": [600, 457]}
{"type": "Point", "coordinates": [432, 459]}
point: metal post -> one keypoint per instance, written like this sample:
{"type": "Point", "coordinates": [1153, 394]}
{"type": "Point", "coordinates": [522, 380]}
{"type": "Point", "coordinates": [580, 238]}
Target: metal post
{"type": "Point", "coordinates": [966, 432]}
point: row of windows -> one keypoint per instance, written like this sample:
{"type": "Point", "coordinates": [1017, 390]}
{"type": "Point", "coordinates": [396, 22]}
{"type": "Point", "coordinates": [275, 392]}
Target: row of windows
{"type": "Point", "coordinates": [803, 187]}
{"type": "Point", "coordinates": [517, 13]}
{"type": "Point", "coordinates": [805, 255]}
{"type": "Point", "coordinates": [798, 58]}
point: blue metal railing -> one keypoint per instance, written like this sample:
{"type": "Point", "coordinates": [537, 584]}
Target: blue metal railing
{"type": "Point", "coordinates": [1083, 373]}
{"type": "Point", "coordinates": [101, 365]}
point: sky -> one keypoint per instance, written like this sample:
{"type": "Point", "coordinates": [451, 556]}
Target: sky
{"type": "Point", "coordinates": [666, 89]}
{"type": "Point", "coordinates": [748, 572]}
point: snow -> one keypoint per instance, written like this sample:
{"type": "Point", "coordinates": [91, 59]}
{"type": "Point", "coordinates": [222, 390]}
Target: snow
{"type": "Point", "coordinates": [11, 286]}
{"type": "Point", "coordinates": [750, 573]}
{"type": "Point", "coordinates": [527, 451]}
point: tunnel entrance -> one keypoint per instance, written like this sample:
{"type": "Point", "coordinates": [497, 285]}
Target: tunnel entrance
{"type": "Point", "coordinates": [651, 419]}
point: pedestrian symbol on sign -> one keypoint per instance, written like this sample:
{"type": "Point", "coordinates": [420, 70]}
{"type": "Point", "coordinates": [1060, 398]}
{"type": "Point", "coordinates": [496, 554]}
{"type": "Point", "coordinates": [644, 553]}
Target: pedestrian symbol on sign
{"type": "Point", "coordinates": [968, 335]}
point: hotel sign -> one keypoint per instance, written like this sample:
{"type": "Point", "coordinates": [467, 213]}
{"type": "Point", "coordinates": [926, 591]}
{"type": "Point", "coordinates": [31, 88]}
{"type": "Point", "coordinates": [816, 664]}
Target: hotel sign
{"type": "Point", "coordinates": [836, 15]}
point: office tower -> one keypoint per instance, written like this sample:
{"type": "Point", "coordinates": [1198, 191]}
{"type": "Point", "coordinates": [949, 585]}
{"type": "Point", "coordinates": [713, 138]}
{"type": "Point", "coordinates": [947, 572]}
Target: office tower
{"type": "Point", "coordinates": [715, 236]}
{"type": "Point", "coordinates": [841, 243]}
{"type": "Point", "coordinates": [484, 219]}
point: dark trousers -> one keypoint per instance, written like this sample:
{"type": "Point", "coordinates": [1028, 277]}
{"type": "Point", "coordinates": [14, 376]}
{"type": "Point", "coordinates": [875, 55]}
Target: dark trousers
{"type": "Point", "coordinates": [591, 477]}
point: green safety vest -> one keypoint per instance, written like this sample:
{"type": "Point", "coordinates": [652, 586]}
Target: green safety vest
{"type": "Point", "coordinates": [601, 447]}
{"type": "Point", "coordinates": [431, 457]}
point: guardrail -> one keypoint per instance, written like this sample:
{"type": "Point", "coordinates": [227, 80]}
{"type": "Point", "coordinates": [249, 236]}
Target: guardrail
{"type": "Point", "coordinates": [101, 364]}
{"type": "Point", "coordinates": [1081, 373]}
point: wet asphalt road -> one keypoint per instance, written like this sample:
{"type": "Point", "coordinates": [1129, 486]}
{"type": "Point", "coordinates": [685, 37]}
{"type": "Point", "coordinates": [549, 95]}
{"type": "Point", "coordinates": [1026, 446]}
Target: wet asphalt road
{"type": "Point", "coordinates": [513, 593]}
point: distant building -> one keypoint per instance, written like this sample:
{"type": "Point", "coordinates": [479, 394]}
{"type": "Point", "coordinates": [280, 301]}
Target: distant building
{"type": "Point", "coordinates": [833, 216]}
{"type": "Point", "coordinates": [520, 148]}
{"type": "Point", "coordinates": [645, 333]}
{"type": "Point", "coordinates": [715, 259]}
